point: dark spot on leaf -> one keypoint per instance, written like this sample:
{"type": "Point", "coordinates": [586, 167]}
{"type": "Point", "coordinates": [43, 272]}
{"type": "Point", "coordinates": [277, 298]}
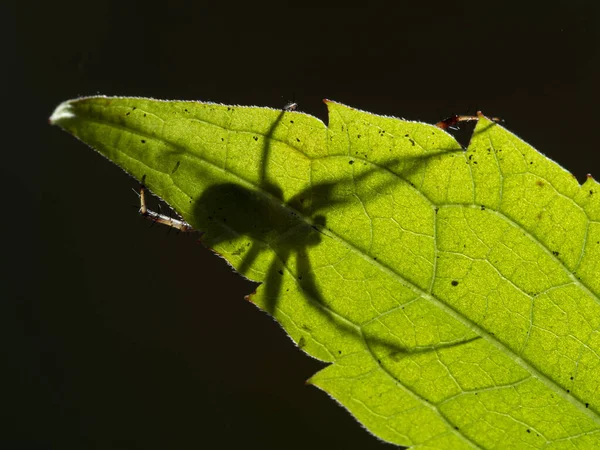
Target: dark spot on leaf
{"type": "Point", "coordinates": [406, 135]}
{"type": "Point", "coordinates": [298, 140]}
{"type": "Point", "coordinates": [470, 157]}
{"type": "Point", "coordinates": [358, 136]}
{"type": "Point", "coordinates": [568, 391]}
{"type": "Point", "coordinates": [291, 121]}
{"type": "Point", "coordinates": [530, 162]}
{"type": "Point", "coordinates": [143, 141]}
{"type": "Point", "coordinates": [186, 110]}
{"type": "Point", "coordinates": [239, 251]}
{"type": "Point", "coordinates": [300, 277]}
{"type": "Point", "coordinates": [456, 428]}
{"type": "Point", "coordinates": [301, 342]}
{"type": "Point", "coordinates": [474, 162]}
{"type": "Point", "coordinates": [144, 114]}
{"type": "Point", "coordinates": [591, 192]}
{"type": "Point", "coordinates": [482, 208]}
{"type": "Point", "coordinates": [280, 272]}
{"type": "Point", "coordinates": [529, 431]}
{"type": "Point", "coordinates": [454, 283]}
{"type": "Point", "coordinates": [436, 210]}
{"type": "Point", "coordinates": [134, 108]}
{"type": "Point", "coordinates": [540, 183]}
{"type": "Point", "coordinates": [255, 138]}
{"type": "Point", "coordinates": [374, 258]}
{"type": "Point", "coordinates": [412, 142]}
{"type": "Point", "coordinates": [587, 405]}
{"type": "Point", "coordinates": [176, 167]}
{"type": "Point", "coordinates": [351, 162]}
{"type": "Point", "coordinates": [571, 378]}
{"type": "Point", "coordinates": [128, 113]}
{"type": "Point", "coordinates": [339, 352]}
{"type": "Point", "coordinates": [555, 253]}
{"type": "Point", "coordinates": [222, 139]}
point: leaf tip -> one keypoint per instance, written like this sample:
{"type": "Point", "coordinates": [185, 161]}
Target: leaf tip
{"type": "Point", "coordinates": [64, 111]}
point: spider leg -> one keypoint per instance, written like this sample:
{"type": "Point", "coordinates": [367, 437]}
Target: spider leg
{"type": "Point", "coordinates": [453, 121]}
{"type": "Point", "coordinates": [155, 217]}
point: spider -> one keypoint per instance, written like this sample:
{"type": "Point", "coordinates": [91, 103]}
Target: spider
{"type": "Point", "coordinates": [289, 229]}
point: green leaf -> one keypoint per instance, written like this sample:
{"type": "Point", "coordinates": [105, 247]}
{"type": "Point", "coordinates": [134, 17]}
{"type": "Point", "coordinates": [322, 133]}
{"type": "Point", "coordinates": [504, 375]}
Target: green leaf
{"type": "Point", "coordinates": [456, 293]}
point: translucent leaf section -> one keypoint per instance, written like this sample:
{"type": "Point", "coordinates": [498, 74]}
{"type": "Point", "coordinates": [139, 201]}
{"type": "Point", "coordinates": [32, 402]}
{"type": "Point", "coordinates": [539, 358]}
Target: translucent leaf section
{"type": "Point", "coordinates": [456, 293]}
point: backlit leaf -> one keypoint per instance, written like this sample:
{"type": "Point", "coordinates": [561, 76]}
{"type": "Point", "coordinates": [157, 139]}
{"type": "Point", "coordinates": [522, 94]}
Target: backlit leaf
{"type": "Point", "coordinates": [455, 293]}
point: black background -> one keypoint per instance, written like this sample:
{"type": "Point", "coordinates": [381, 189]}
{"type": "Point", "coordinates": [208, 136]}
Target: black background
{"type": "Point", "coordinates": [115, 335]}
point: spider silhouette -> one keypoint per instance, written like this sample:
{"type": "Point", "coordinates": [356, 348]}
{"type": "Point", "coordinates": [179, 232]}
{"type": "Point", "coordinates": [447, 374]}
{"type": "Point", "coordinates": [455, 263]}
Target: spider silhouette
{"type": "Point", "coordinates": [227, 211]}
{"type": "Point", "coordinates": [286, 227]}
{"type": "Point", "coordinates": [289, 228]}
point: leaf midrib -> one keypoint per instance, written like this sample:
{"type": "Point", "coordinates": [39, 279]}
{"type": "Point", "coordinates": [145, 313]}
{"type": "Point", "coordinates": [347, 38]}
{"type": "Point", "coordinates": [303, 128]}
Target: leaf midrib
{"type": "Point", "coordinates": [444, 307]}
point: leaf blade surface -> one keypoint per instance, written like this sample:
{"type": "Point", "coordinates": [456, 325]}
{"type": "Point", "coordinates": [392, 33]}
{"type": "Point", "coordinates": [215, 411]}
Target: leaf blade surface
{"type": "Point", "coordinates": [454, 292]}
